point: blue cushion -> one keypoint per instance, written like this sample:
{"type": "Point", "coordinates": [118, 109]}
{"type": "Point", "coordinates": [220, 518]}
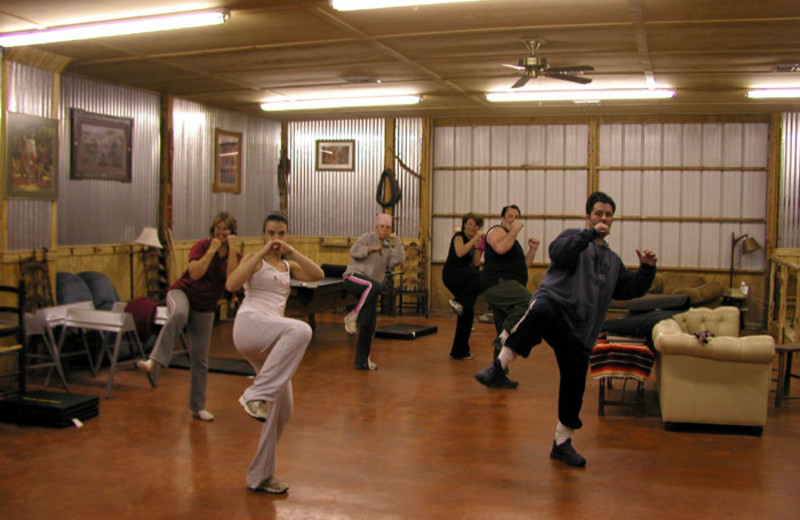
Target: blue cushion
{"type": "Point", "coordinates": [103, 292]}
{"type": "Point", "coordinates": [70, 288]}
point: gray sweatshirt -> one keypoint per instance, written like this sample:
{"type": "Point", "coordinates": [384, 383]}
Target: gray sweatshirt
{"type": "Point", "coordinates": [375, 264]}
{"type": "Point", "coordinates": [583, 278]}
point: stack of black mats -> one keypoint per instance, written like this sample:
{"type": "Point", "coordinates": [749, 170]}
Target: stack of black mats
{"type": "Point", "coordinates": [44, 408]}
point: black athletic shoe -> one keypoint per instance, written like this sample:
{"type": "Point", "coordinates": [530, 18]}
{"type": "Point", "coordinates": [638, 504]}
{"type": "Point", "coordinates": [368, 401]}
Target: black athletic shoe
{"type": "Point", "coordinates": [567, 454]}
{"type": "Point", "coordinates": [494, 376]}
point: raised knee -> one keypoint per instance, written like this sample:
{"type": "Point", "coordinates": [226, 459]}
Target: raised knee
{"type": "Point", "coordinates": [304, 331]}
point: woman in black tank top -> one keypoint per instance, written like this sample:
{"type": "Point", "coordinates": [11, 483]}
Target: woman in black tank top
{"type": "Point", "coordinates": [462, 278]}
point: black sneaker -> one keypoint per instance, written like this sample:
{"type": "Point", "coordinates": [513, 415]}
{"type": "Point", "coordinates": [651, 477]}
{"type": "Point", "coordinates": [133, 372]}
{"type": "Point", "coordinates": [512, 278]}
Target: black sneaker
{"type": "Point", "coordinates": [494, 376]}
{"type": "Point", "coordinates": [567, 454]}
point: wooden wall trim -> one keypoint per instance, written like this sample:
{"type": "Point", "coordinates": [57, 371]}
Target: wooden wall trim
{"type": "Point", "coordinates": [520, 167]}
{"type": "Point", "coordinates": [639, 218]}
{"type": "Point", "coordinates": [773, 185]}
{"type": "Point", "coordinates": [593, 157]}
{"type": "Point", "coordinates": [604, 120]}
{"type": "Point", "coordinates": [508, 121]}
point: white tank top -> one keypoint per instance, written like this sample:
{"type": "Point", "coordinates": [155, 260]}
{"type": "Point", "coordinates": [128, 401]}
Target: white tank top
{"type": "Point", "coordinates": [267, 290]}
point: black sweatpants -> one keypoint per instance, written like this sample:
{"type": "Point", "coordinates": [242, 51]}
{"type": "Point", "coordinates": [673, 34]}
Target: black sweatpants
{"type": "Point", "coordinates": [542, 321]}
{"type": "Point", "coordinates": [464, 284]}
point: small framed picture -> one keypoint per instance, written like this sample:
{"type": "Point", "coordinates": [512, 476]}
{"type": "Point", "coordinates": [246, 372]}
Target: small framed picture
{"type": "Point", "coordinates": [101, 147]}
{"type": "Point", "coordinates": [31, 157]}
{"type": "Point", "coordinates": [336, 155]}
{"type": "Point", "coordinates": [227, 161]}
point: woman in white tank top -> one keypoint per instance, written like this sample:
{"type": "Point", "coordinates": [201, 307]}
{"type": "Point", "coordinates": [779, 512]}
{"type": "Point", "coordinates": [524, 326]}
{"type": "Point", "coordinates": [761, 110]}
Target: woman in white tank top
{"type": "Point", "coordinates": [272, 343]}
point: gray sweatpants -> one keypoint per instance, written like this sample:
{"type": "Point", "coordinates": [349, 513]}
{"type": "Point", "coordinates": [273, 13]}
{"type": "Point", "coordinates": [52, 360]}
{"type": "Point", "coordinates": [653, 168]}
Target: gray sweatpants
{"type": "Point", "coordinates": [274, 346]}
{"type": "Point", "coordinates": [199, 326]}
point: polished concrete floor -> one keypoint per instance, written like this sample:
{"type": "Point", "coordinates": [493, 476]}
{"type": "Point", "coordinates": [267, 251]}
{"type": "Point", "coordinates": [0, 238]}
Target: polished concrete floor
{"type": "Point", "coordinates": [418, 439]}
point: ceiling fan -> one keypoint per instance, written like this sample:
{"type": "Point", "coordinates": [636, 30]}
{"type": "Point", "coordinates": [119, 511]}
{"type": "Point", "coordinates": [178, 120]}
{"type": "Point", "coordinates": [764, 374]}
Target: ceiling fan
{"type": "Point", "coordinates": [535, 66]}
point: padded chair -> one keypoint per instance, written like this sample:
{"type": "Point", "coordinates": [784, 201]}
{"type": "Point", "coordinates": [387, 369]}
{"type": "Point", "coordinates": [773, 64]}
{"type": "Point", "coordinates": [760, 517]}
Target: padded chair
{"type": "Point", "coordinates": [412, 291]}
{"type": "Point", "coordinates": [71, 288]}
{"type": "Point", "coordinates": [104, 295]}
{"type": "Point", "coordinates": [724, 380]}
{"type": "Point", "coordinates": [12, 325]}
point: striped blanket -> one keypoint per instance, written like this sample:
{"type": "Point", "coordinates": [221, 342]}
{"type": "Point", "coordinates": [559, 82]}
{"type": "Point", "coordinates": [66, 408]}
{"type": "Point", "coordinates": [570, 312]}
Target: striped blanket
{"type": "Point", "coordinates": [620, 360]}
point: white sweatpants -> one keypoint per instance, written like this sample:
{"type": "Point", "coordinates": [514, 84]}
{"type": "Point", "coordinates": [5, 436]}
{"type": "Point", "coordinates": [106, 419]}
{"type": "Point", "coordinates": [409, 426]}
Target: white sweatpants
{"type": "Point", "coordinates": [274, 347]}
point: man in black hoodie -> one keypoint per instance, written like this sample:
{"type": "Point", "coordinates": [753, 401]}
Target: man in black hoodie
{"type": "Point", "coordinates": [568, 309]}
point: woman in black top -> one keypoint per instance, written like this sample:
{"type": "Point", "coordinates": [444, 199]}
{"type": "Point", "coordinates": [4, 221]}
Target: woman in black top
{"type": "Point", "coordinates": [462, 278]}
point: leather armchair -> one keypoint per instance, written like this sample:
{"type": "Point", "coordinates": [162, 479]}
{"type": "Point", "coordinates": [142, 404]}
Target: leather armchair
{"type": "Point", "coordinates": [724, 381]}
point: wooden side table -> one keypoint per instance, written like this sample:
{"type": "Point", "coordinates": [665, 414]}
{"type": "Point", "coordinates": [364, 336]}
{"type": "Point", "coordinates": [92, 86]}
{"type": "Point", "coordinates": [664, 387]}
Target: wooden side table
{"type": "Point", "coordinates": [625, 361]}
{"type": "Point", "coordinates": [736, 298]}
{"type": "Point", "coordinates": [785, 354]}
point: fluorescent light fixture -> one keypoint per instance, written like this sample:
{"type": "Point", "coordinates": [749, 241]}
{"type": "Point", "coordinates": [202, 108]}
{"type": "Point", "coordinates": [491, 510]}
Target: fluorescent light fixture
{"type": "Point", "coordinates": [772, 93]}
{"type": "Point", "coordinates": [578, 95]}
{"type": "Point", "coordinates": [340, 102]}
{"type": "Point", "coordinates": [358, 5]}
{"type": "Point", "coordinates": [119, 27]}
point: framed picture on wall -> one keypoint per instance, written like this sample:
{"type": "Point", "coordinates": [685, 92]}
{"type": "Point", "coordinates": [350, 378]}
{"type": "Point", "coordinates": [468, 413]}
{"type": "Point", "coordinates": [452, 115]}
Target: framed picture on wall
{"type": "Point", "coordinates": [31, 157]}
{"type": "Point", "coordinates": [227, 161]}
{"type": "Point", "coordinates": [101, 147]}
{"type": "Point", "coordinates": [336, 155]}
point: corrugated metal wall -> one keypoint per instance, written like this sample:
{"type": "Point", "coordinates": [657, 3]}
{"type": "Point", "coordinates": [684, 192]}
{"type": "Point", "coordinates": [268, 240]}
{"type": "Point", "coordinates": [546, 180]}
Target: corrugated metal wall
{"type": "Point", "coordinates": [700, 178]}
{"type": "Point", "coordinates": [106, 211]}
{"type": "Point", "coordinates": [194, 203]}
{"type": "Point", "coordinates": [31, 92]}
{"type": "Point", "coordinates": [344, 203]}
{"type": "Point", "coordinates": [693, 184]}
{"type": "Point", "coordinates": [789, 203]}
{"type": "Point", "coordinates": [547, 175]}
{"type": "Point", "coordinates": [89, 211]}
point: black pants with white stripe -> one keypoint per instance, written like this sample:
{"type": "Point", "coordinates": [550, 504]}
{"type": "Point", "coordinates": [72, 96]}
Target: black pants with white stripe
{"type": "Point", "coordinates": [542, 321]}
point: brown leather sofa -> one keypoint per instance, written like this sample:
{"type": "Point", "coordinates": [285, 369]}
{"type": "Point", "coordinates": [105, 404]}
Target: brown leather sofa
{"type": "Point", "coordinates": [701, 292]}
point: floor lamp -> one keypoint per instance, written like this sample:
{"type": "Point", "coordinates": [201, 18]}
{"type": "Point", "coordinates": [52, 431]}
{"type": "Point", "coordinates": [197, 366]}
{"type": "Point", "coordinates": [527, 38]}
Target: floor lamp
{"type": "Point", "coordinates": [750, 245]}
{"type": "Point", "coordinates": [148, 237]}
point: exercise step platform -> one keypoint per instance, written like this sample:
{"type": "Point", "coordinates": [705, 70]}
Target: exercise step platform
{"type": "Point", "coordinates": [405, 331]}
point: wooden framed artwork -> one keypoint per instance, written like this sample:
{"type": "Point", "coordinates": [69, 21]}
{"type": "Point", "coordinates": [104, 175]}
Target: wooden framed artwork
{"type": "Point", "coordinates": [31, 157]}
{"type": "Point", "coordinates": [337, 155]}
{"type": "Point", "coordinates": [101, 147]}
{"type": "Point", "coordinates": [227, 161]}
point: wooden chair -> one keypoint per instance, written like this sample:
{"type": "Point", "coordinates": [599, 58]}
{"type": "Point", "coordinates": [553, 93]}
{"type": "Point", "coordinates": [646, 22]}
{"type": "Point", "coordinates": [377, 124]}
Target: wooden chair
{"type": "Point", "coordinates": [412, 291]}
{"type": "Point", "coordinates": [12, 324]}
{"type": "Point", "coordinates": [41, 350]}
{"type": "Point", "coordinates": [38, 289]}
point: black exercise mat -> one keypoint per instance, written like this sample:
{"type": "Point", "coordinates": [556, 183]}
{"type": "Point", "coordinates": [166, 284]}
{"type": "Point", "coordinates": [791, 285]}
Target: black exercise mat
{"type": "Point", "coordinates": [404, 331]}
{"type": "Point", "coordinates": [45, 408]}
{"type": "Point", "coordinates": [238, 367]}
